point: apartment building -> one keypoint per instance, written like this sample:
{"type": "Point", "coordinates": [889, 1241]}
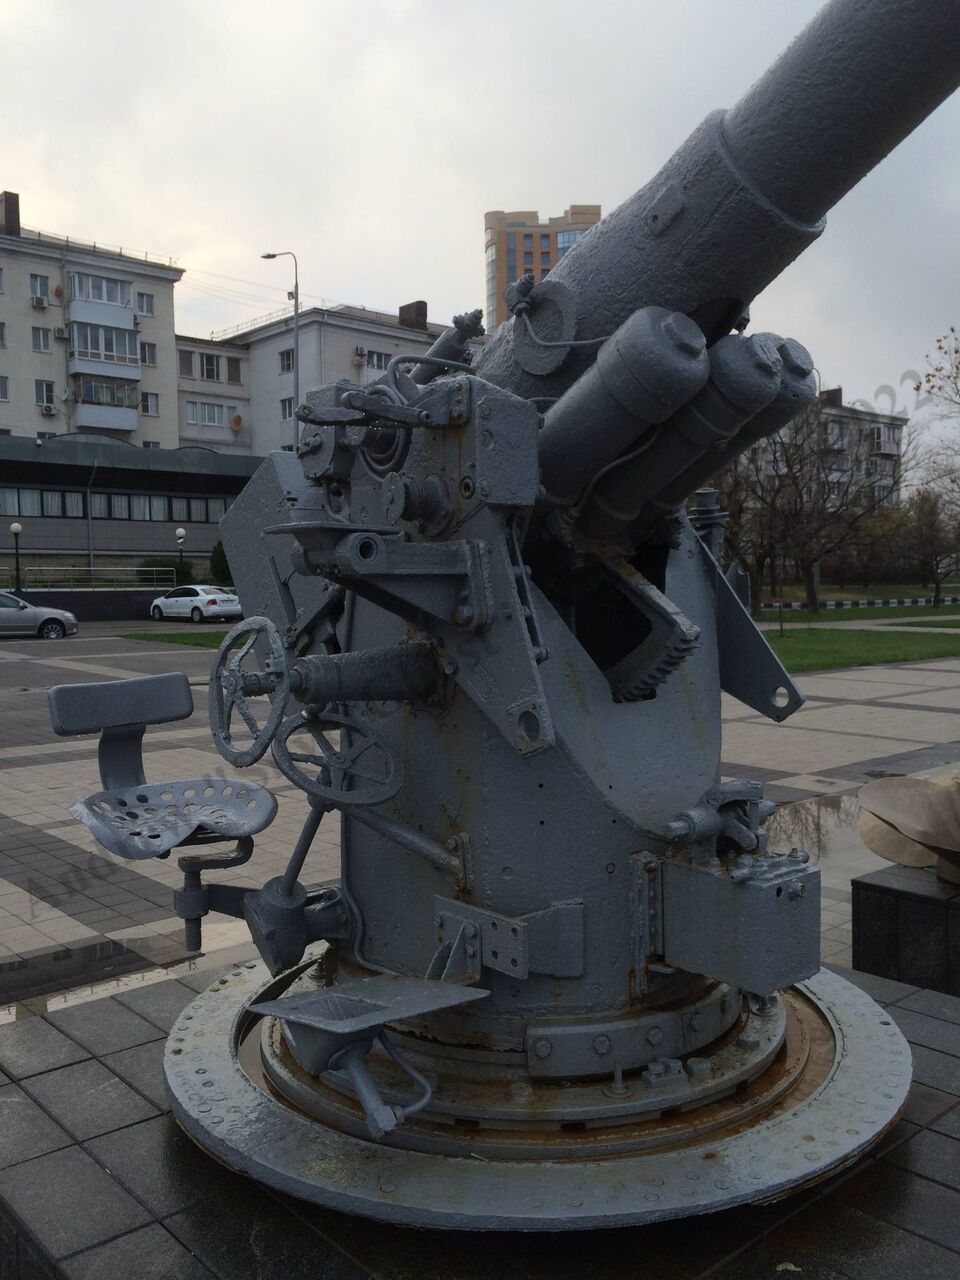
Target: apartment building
{"type": "Point", "coordinates": [349, 343]}
{"type": "Point", "coordinates": [519, 242]}
{"type": "Point", "coordinates": [86, 338]}
{"type": "Point", "coordinates": [213, 382]}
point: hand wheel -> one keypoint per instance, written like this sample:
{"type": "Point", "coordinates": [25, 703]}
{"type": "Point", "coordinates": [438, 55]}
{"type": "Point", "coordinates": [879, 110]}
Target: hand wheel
{"type": "Point", "coordinates": [231, 687]}
{"type": "Point", "coordinates": [362, 769]}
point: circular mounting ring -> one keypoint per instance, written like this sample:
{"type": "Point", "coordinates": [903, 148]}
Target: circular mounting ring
{"type": "Point", "coordinates": [230, 689]}
{"type": "Point", "coordinates": [362, 769]}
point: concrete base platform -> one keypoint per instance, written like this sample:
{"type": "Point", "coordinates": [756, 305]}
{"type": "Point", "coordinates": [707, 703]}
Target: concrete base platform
{"type": "Point", "coordinates": [906, 926]}
{"type": "Point", "coordinates": [97, 1181]}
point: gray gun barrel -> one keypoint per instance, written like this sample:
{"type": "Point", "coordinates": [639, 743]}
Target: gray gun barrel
{"type": "Point", "coordinates": [798, 389]}
{"type": "Point", "coordinates": [746, 193]}
{"type": "Point", "coordinates": [653, 364]}
{"type": "Point", "coordinates": [744, 378]}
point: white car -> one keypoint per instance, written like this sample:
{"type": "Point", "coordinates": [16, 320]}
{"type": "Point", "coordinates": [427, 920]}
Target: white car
{"type": "Point", "coordinates": [197, 604]}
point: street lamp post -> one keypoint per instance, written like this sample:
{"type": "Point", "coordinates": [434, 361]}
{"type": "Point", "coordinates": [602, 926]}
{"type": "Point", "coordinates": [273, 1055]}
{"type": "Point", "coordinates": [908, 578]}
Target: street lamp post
{"type": "Point", "coordinates": [16, 529]}
{"type": "Point", "coordinates": [286, 253]}
{"type": "Point", "coordinates": [180, 535]}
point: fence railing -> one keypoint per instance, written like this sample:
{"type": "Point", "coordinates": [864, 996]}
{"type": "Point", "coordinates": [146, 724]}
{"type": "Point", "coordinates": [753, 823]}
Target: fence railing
{"type": "Point", "coordinates": [84, 578]}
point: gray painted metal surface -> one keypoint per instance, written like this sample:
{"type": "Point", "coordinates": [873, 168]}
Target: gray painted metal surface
{"type": "Point", "coordinates": [483, 627]}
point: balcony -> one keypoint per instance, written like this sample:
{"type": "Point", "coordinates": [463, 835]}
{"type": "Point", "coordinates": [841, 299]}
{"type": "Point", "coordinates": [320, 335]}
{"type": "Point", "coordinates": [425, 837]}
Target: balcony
{"type": "Point", "coordinates": [112, 315]}
{"type": "Point", "coordinates": [105, 417]}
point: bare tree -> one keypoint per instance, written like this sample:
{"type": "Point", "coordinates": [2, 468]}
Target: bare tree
{"type": "Point", "coordinates": [806, 491]}
{"type": "Point", "coordinates": [933, 536]}
{"type": "Point", "coordinates": [941, 377]}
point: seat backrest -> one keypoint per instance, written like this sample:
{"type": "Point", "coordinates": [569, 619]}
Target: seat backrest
{"type": "Point", "coordinates": [111, 704]}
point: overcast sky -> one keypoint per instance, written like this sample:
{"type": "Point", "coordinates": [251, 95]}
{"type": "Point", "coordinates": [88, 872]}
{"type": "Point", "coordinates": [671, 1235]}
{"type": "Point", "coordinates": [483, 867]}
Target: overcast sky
{"type": "Point", "coordinates": [371, 135]}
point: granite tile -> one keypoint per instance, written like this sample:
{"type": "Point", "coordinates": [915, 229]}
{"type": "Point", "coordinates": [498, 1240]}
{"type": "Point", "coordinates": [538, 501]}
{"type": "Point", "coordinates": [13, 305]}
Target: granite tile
{"type": "Point", "coordinates": [932, 1033]}
{"type": "Point", "coordinates": [142, 1067]}
{"type": "Point", "coordinates": [925, 1104]}
{"type": "Point", "coordinates": [159, 1165]}
{"type": "Point", "coordinates": [103, 1026]}
{"type": "Point", "coordinates": [931, 1155]}
{"type": "Point", "coordinates": [934, 1004]}
{"type": "Point", "coordinates": [939, 1070]}
{"type": "Point", "coordinates": [948, 1123]}
{"type": "Point", "coordinates": [67, 1202]}
{"type": "Point", "coordinates": [25, 1130]}
{"type": "Point", "coordinates": [31, 1045]}
{"type": "Point", "coordinates": [883, 990]}
{"type": "Point", "coordinates": [161, 1003]}
{"type": "Point", "coordinates": [87, 1099]}
{"type": "Point", "coordinates": [149, 1253]}
{"type": "Point", "coordinates": [901, 1197]}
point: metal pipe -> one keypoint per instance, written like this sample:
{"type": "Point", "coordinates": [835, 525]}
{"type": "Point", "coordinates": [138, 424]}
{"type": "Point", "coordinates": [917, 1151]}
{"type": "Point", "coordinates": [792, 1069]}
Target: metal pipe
{"type": "Point", "coordinates": [310, 828]}
{"type": "Point", "coordinates": [403, 835]}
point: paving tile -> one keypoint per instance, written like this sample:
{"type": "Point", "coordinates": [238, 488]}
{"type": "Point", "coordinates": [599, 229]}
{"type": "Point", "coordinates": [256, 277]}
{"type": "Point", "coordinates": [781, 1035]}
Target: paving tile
{"type": "Point", "coordinates": [67, 1202]}
{"type": "Point", "coordinates": [31, 1045]}
{"type": "Point", "coordinates": [883, 990]}
{"type": "Point", "coordinates": [103, 1026]}
{"type": "Point", "coordinates": [158, 1164]}
{"type": "Point", "coordinates": [933, 1003]}
{"type": "Point", "coordinates": [932, 1033]}
{"type": "Point", "coordinates": [925, 1104]}
{"type": "Point", "coordinates": [931, 1155]}
{"type": "Point", "coordinates": [25, 1130]}
{"type": "Point", "coordinates": [150, 1253]}
{"type": "Point", "coordinates": [142, 1067]}
{"type": "Point", "coordinates": [161, 1003]}
{"type": "Point", "coordinates": [902, 1198]}
{"type": "Point", "coordinates": [249, 1234]}
{"type": "Point", "coordinates": [939, 1070]}
{"type": "Point", "coordinates": [948, 1123]}
{"type": "Point", "coordinates": [88, 1099]}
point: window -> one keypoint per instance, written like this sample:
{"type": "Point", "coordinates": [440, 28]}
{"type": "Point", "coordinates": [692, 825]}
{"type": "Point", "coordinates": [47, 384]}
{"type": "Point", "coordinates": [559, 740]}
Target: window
{"type": "Point", "coordinates": [545, 241]}
{"type": "Point", "coordinates": [73, 505]}
{"type": "Point", "coordinates": [544, 259]}
{"type": "Point", "coordinates": [153, 444]}
{"type": "Point", "coordinates": [158, 503]}
{"type": "Point", "coordinates": [98, 342]}
{"type": "Point", "coordinates": [1, 279]}
{"type": "Point", "coordinates": [99, 506]}
{"type": "Point", "coordinates": [528, 242]}
{"type": "Point", "coordinates": [286, 360]}
{"type": "Point", "coordinates": [4, 387]}
{"type": "Point", "coordinates": [211, 414]}
{"type": "Point", "coordinates": [139, 507]}
{"type": "Point", "coordinates": [119, 506]}
{"type": "Point", "coordinates": [150, 404]}
{"type": "Point", "coordinates": [378, 360]}
{"type": "Point", "coordinates": [511, 257]}
{"type": "Point", "coordinates": [3, 333]}
{"type": "Point", "coordinates": [39, 286]}
{"type": "Point", "coordinates": [8, 503]}
{"type": "Point", "coordinates": [566, 240]}
{"type": "Point", "coordinates": [46, 435]}
{"type": "Point", "coordinates": [148, 354]}
{"type": "Point", "coordinates": [29, 502]}
{"type": "Point", "coordinates": [43, 391]}
{"type": "Point", "coordinates": [88, 288]}
{"type": "Point", "coordinates": [41, 339]}
{"type": "Point", "coordinates": [52, 503]}
{"type": "Point", "coordinates": [106, 391]}
{"type": "Point", "coordinates": [145, 304]}
{"type": "Point", "coordinates": [528, 259]}
{"type": "Point", "coordinates": [198, 509]}
{"type": "Point", "coordinates": [209, 367]}
{"type": "Point", "coordinates": [215, 509]}
{"type": "Point", "coordinates": [178, 509]}
{"type": "Point", "coordinates": [286, 408]}
{"type": "Point", "coordinates": [185, 361]}
{"type": "Point", "coordinates": [191, 413]}
{"type": "Point", "coordinates": [233, 370]}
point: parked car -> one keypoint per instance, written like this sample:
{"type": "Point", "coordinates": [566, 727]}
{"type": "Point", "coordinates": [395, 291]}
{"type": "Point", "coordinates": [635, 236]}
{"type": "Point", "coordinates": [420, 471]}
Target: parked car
{"type": "Point", "coordinates": [18, 618]}
{"type": "Point", "coordinates": [197, 604]}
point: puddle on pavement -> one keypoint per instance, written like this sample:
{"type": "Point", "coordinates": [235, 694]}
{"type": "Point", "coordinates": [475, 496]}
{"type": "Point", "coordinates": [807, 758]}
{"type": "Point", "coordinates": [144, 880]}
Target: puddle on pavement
{"type": "Point", "coordinates": [825, 827]}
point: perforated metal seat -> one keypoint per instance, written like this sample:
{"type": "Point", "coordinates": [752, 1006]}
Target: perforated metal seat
{"type": "Point", "coordinates": [131, 817]}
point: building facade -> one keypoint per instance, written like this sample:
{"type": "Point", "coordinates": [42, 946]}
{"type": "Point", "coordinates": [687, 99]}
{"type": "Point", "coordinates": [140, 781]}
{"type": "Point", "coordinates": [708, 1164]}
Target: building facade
{"type": "Point", "coordinates": [86, 339]}
{"type": "Point", "coordinates": [518, 242]}
{"type": "Point", "coordinates": [337, 343]}
{"type": "Point", "coordinates": [213, 392]}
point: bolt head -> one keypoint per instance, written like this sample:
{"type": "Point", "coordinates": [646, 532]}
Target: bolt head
{"type": "Point", "coordinates": [684, 333]}
{"type": "Point", "coordinates": [601, 1045]}
{"type": "Point", "coordinates": [654, 1036]}
{"type": "Point", "coordinates": [542, 1048]}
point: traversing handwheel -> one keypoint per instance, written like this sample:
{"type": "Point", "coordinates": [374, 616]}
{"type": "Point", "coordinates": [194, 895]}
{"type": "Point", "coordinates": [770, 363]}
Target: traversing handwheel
{"type": "Point", "coordinates": [232, 687]}
{"type": "Point", "coordinates": [355, 768]}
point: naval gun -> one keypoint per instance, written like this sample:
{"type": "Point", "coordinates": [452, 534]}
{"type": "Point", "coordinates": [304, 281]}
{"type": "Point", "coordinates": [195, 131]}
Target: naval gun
{"type": "Point", "coordinates": [563, 981]}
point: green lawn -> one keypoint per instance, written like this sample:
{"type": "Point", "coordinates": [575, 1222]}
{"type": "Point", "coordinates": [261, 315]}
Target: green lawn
{"type": "Point", "coordinates": [199, 639]}
{"type": "Point", "coordinates": [862, 615]}
{"type": "Point", "coordinates": [828, 650]}
{"type": "Point", "coordinates": [883, 591]}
